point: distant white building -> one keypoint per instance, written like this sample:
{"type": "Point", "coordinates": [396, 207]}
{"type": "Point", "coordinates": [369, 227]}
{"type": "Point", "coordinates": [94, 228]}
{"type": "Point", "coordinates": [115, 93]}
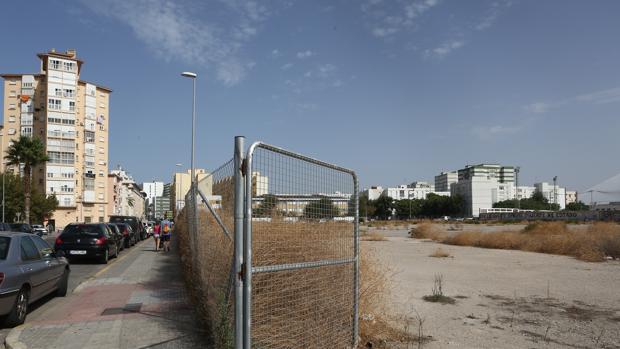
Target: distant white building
{"type": "Point", "coordinates": [571, 196]}
{"type": "Point", "coordinates": [416, 190]}
{"type": "Point", "coordinates": [482, 185]}
{"type": "Point", "coordinates": [444, 180]}
{"type": "Point", "coordinates": [373, 193]}
{"type": "Point", "coordinates": [524, 192]}
{"type": "Point", "coordinates": [555, 195]}
{"type": "Point", "coordinates": [153, 190]}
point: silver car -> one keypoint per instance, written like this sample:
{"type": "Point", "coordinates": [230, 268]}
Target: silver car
{"type": "Point", "coordinates": [29, 270]}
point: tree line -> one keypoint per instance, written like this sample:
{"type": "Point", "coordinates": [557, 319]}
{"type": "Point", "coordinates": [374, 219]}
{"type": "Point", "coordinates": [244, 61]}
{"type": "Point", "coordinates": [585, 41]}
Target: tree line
{"type": "Point", "coordinates": [539, 202]}
{"type": "Point", "coordinates": [433, 206]}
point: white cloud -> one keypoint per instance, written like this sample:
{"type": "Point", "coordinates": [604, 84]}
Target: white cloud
{"type": "Point", "coordinates": [275, 53]}
{"type": "Point", "coordinates": [538, 107]}
{"type": "Point", "coordinates": [337, 83]}
{"type": "Point", "coordinates": [305, 54]}
{"type": "Point", "coordinates": [444, 49]}
{"type": "Point", "coordinates": [611, 95]}
{"type": "Point", "coordinates": [601, 97]}
{"type": "Point", "coordinates": [492, 132]}
{"type": "Point", "coordinates": [174, 32]}
{"type": "Point", "coordinates": [326, 70]}
{"type": "Point", "coordinates": [287, 66]}
{"type": "Point", "coordinates": [493, 12]}
{"type": "Point", "coordinates": [384, 21]}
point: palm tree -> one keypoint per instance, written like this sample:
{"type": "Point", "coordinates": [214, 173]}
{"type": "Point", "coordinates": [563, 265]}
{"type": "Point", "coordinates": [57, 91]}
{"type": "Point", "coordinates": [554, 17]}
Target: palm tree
{"type": "Point", "coordinates": [30, 152]}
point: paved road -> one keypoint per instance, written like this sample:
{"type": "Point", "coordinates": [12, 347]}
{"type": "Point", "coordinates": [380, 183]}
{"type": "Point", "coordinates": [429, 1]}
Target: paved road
{"type": "Point", "coordinates": [80, 272]}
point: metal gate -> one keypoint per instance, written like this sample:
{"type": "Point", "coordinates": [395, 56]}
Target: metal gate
{"type": "Point", "coordinates": [294, 261]}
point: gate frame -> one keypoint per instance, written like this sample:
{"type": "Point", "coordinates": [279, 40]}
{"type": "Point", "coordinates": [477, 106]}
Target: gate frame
{"type": "Point", "coordinates": [244, 274]}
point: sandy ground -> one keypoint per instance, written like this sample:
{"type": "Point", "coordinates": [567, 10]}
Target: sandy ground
{"type": "Point", "coordinates": [504, 299]}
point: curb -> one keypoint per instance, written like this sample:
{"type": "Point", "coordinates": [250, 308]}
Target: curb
{"type": "Point", "coordinates": [12, 339]}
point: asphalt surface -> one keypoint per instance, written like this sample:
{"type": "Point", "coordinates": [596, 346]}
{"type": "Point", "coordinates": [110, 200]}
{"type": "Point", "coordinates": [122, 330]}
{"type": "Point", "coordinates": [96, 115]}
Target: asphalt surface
{"type": "Point", "coordinates": [80, 272]}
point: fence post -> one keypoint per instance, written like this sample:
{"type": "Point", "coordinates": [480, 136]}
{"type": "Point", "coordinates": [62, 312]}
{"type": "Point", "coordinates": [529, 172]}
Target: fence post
{"type": "Point", "coordinates": [356, 284]}
{"type": "Point", "coordinates": [247, 252]}
{"type": "Point", "coordinates": [238, 240]}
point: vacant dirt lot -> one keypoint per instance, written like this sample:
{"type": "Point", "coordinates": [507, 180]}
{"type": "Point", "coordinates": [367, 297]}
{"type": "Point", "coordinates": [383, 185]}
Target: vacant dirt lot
{"type": "Point", "coordinates": [504, 299]}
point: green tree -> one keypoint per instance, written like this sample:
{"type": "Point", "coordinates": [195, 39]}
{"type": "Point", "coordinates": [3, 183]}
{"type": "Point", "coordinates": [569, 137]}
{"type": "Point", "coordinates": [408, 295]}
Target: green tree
{"type": "Point", "coordinates": [577, 206]}
{"type": "Point", "coordinates": [324, 208]}
{"type": "Point", "coordinates": [267, 206]}
{"type": "Point", "coordinates": [13, 196]}
{"type": "Point", "coordinates": [536, 202]}
{"type": "Point", "coordinates": [384, 206]}
{"type": "Point", "coordinates": [439, 206]}
{"type": "Point", "coordinates": [42, 206]}
{"type": "Point", "coordinates": [29, 152]}
{"type": "Point", "coordinates": [408, 208]}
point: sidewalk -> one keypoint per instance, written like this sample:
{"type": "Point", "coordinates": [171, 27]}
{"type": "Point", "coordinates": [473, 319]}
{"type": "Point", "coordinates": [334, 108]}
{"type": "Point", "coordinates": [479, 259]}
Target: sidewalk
{"type": "Point", "coordinates": [138, 302]}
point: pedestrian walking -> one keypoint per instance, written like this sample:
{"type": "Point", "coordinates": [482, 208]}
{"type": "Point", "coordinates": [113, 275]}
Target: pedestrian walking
{"type": "Point", "coordinates": [166, 233]}
{"type": "Point", "coordinates": [156, 234]}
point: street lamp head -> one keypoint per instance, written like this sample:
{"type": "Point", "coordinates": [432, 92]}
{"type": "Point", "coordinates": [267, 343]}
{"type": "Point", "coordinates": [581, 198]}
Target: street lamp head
{"type": "Point", "coordinates": [189, 74]}
{"type": "Point", "coordinates": [178, 165]}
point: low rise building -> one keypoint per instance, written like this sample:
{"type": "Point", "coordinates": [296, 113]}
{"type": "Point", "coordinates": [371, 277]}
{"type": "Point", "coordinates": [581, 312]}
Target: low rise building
{"type": "Point", "coordinates": [482, 185]}
{"type": "Point", "coordinates": [373, 193]}
{"type": "Point", "coordinates": [129, 199]}
{"type": "Point", "coordinates": [554, 194]}
{"type": "Point", "coordinates": [571, 197]}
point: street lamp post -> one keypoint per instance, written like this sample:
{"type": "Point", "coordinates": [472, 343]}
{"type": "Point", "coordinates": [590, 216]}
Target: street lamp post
{"type": "Point", "coordinates": [193, 171]}
{"type": "Point", "coordinates": [517, 169]}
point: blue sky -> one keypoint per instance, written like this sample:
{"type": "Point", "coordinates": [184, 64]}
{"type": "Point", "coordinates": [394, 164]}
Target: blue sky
{"type": "Point", "coordinates": [397, 90]}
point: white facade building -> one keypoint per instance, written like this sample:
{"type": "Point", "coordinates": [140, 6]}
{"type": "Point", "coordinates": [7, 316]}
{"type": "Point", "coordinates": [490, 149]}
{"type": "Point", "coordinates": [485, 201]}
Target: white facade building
{"type": "Point", "coordinates": [153, 190]}
{"type": "Point", "coordinates": [373, 193]}
{"type": "Point", "coordinates": [555, 195]}
{"type": "Point", "coordinates": [571, 196]}
{"type": "Point", "coordinates": [524, 192]}
{"type": "Point", "coordinates": [482, 185]}
{"type": "Point", "coordinates": [417, 190]}
{"type": "Point", "coordinates": [444, 180]}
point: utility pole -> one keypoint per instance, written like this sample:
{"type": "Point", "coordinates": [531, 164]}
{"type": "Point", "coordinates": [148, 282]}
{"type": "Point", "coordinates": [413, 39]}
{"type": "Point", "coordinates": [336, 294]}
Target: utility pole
{"type": "Point", "coordinates": [517, 169]}
{"type": "Point", "coordinates": [555, 190]}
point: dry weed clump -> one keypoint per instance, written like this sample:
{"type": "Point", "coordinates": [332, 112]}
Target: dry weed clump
{"type": "Point", "coordinates": [377, 326]}
{"type": "Point", "coordinates": [374, 236]}
{"type": "Point", "coordinates": [600, 241]}
{"type": "Point", "coordinates": [440, 253]}
{"type": "Point", "coordinates": [426, 230]}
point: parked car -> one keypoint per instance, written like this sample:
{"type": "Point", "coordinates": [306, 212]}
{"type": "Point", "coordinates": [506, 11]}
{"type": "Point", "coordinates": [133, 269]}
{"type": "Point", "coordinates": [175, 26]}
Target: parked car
{"type": "Point", "coordinates": [29, 270]}
{"type": "Point", "coordinates": [87, 240]}
{"type": "Point", "coordinates": [5, 226]}
{"type": "Point", "coordinates": [118, 236]}
{"type": "Point", "coordinates": [134, 222]}
{"type": "Point", "coordinates": [39, 229]}
{"type": "Point", "coordinates": [128, 233]}
{"type": "Point", "coordinates": [21, 228]}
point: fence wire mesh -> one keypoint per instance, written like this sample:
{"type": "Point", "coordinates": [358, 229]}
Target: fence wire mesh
{"type": "Point", "coordinates": [303, 252]}
{"type": "Point", "coordinates": [208, 250]}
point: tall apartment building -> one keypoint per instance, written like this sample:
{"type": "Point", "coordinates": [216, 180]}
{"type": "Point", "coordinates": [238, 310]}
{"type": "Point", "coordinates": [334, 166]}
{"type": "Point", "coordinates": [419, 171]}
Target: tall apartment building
{"type": "Point", "coordinates": [71, 117]}
{"type": "Point", "coordinates": [444, 180]}
{"type": "Point", "coordinates": [483, 185]}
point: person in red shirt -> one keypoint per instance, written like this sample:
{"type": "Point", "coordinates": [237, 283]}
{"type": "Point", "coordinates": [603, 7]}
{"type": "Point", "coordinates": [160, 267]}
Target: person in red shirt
{"type": "Point", "coordinates": [156, 234]}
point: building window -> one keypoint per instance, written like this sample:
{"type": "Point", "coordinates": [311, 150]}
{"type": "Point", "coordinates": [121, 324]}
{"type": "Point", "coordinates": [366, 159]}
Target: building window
{"type": "Point", "coordinates": [69, 93]}
{"type": "Point", "coordinates": [58, 92]}
{"type": "Point", "coordinates": [88, 219]}
{"type": "Point", "coordinates": [27, 85]}
{"type": "Point", "coordinates": [55, 64]}
{"type": "Point", "coordinates": [69, 66]}
{"type": "Point", "coordinates": [12, 82]}
{"type": "Point", "coordinates": [50, 175]}
{"type": "Point", "coordinates": [101, 220]}
{"type": "Point", "coordinates": [89, 136]}
{"type": "Point", "coordinates": [11, 118]}
{"type": "Point", "coordinates": [57, 157]}
{"type": "Point", "coordinates": [53, 104]}
{"type": "Point", "coordinates": [26, 131]}
{"type": "Point", "coordinates": [72, 106]}
{"type": "Point", "coordinates": [12, 106]}
{"type": "Point", "coordinates": [13, 94]}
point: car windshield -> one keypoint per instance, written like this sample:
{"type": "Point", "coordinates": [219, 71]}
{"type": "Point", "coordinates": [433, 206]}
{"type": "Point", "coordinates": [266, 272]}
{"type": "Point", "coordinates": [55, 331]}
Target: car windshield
{"type": "Point", "coordinates": [4, 246]}
{"type": "Point", "coordinates": [122, 219]}
{"type": "Point", "coordinates": [82, 229]}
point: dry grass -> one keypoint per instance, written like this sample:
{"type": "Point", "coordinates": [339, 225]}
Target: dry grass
{"type": "Point", "coordinates": [440, 253]}
{"type": "Point", "coordinates": [377, 326]}
{"type": "Point", "coordinates": [426, 230]}
{"type": "Point", "coordinates": [594, 244]}
{"type": "Point", "coordinates": [290, 308]}
{"type": "Point", "coordinates": [374, 236]}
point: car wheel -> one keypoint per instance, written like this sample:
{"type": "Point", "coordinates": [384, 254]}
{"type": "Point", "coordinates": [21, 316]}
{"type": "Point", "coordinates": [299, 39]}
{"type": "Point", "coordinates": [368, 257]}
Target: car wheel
{"type": "Point", "coordinates": [17, 316]}
{"type": "Point", "coordinates": [63, 284]}
{"type": "Point", "coordinates": [105, 257]}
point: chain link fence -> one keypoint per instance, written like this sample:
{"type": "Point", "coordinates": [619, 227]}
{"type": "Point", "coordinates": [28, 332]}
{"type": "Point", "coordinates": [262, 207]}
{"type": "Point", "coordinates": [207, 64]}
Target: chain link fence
{"type": "Point", "coordinates": [270, 243]}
